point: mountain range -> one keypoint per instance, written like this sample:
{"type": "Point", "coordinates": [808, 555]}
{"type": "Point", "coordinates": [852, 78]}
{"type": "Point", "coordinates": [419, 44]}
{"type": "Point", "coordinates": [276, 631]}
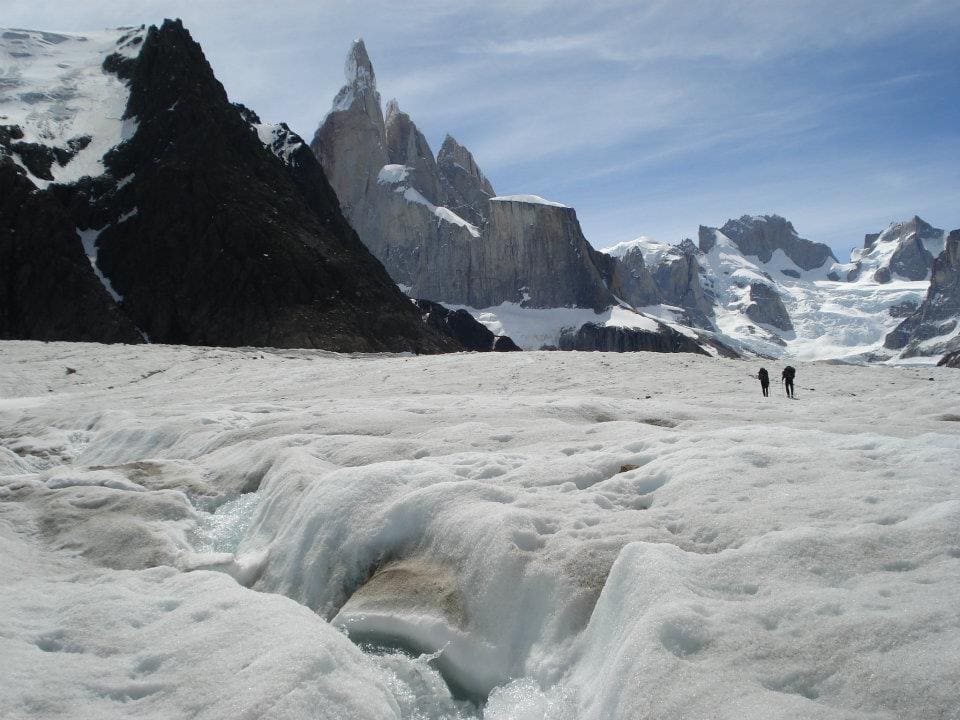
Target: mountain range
{"type": "Point", "coordinates": [140, 204]}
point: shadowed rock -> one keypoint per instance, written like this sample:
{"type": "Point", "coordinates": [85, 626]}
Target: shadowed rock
{"type": "Point", "coordinates": [619, 339]}
{"type": "Point", "coordinates": [464, 328]}
{"type": "Point", "coordinates": [48, 288]}
{"type": "Point", "coordinates": [766, 307]}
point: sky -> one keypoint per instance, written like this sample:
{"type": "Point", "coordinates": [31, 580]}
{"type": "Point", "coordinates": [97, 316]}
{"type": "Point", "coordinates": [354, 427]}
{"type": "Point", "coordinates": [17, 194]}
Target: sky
{"type": "Point", "coordinates": [650, 118]}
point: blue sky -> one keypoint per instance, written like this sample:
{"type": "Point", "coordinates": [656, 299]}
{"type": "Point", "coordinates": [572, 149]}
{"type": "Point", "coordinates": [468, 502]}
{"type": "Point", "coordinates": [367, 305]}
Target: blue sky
{"type": "Point", "coordinates": [648, 117]}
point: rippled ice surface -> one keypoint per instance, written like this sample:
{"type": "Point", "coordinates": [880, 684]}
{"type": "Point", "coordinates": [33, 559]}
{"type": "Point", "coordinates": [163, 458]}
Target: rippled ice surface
{"type": "Point", "coordinates": [563, 535]}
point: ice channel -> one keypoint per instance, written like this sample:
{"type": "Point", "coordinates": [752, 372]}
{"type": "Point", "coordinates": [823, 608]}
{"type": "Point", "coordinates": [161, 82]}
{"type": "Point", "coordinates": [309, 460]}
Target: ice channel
{"type": "Point", "coordinates": [417, 686]}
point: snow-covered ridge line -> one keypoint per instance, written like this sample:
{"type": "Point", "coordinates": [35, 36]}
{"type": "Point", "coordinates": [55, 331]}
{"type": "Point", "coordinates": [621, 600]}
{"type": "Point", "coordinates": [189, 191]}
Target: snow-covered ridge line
{"type": "Point", "coordinates": [279, 139]}
{"type": "Point", "coordinates": [58, 94]}
{"type": "Point", "coordinates": [529, 199]}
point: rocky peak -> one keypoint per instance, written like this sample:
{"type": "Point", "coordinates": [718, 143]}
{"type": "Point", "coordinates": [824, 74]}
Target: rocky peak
{"type": "Point", "coordinates": [762, 235]}
{"type": "Point", "coordinates": [632, 280]}
{"type": "Point", "coordinates": [465, 187]}
{"type": "Point", "coordinates": [706, 238]}
{"type": "Point", "coordinates": [358, 70]}
{"type": "Point", "coordinates": [351, 141]}
{"type": "Point", "coordinates": [406, 145]}
{"type": "Point", "coordinates": [453, 153]}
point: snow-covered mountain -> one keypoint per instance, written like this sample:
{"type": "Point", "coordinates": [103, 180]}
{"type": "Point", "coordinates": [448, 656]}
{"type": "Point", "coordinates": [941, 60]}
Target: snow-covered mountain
{"type": "Point", "coordinates": [195, 231]}
{"type": "Point", "coordinates": [904, 251]}
{"type": "Point", "coordinates": [768, 291]}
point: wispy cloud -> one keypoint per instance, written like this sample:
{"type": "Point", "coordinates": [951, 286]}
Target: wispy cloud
{"type": "Point", "coordinates": [648, 117]}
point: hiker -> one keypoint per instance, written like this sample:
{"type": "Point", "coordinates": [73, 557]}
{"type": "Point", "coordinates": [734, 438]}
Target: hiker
{"type": "Point", "coordinates": [764, 381]}
{"type": "Point", "coordinates": [788, 374]}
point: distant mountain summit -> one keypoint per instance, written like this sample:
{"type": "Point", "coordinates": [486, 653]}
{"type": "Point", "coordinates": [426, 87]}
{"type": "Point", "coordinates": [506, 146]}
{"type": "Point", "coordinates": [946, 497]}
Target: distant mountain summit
{"type": "Point", "coordinates": [765, 290]}
{"type": "Point", "coordinates": [904, 251]}
{"type": "Point", "coordinates": [771, 239]}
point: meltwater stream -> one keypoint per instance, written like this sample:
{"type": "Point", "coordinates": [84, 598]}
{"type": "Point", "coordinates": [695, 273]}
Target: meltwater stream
{"type": "Point", "coordinates": [420, 691]}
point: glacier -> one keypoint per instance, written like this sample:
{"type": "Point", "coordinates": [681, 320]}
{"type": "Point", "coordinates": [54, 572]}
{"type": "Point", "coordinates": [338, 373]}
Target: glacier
{"type": "Point", "coordinates": [257, 533]}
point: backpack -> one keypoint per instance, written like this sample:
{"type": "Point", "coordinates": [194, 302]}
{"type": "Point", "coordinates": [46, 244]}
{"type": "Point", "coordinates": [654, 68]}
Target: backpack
{"type": "Point", "coordinates": [789, 372]}
{"type": "Point", "coordinates": [764, 376]}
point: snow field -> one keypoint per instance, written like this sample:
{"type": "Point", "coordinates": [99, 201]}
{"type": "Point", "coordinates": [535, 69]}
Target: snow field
{"type": "Point", "coordinates": [567, 535]}
{"type": "Point", "coordinates": [56, 90]}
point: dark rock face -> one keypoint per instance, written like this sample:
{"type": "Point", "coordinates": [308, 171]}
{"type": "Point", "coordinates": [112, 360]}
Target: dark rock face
{"type": "Point", "coordinates": [36, 158]}
{"type": "Point", "coordinates": [466, 189]}
{"type": "Point", "coordinates": [951, 360]}
{"type": "Point", "coordinates": [216, 241]}
{"type": "Point", "coordinates": [902, 310]}
{"type": "Point", "coordinates": [762, 235]}
{"type": "Point", "coordinates": [504, 343]}
{"type": "Point", "coordinates": [911, 260]}
{"type": "Point", "coordinates": [463, 327]}
{"type": "Point", "coordinates": [882, 275]}
{"type": "Point", "coordinates": [48, 289]}
{"type": "Point", "coordinates": [766, 307]}
{"type": "Point", "coordinates": [939, 313]}
{"type": "Point", "coordinates": [617, 339]}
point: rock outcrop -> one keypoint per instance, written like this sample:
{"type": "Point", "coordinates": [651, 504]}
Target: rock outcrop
{"type": "Point", "coordinates": [766, 307]}
{"type": "Point", "coordinates": [762, 235]}
{"type": "Point", "coordinates": [464, 328]}
{"type": "Point", "coordinates": [931, 330]}
{"type": "Point", "coordinates": [48, 287]}
{"type": "Point", "coordinates": [591, 336]}
{"type": "Point", "coordinates": [951, 360]}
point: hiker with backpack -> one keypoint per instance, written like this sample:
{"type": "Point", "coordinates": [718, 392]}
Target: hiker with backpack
{"type": "Point", "coordinates": [764, 381]}
{"type": "Point", "coordinates": [789, 372]}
